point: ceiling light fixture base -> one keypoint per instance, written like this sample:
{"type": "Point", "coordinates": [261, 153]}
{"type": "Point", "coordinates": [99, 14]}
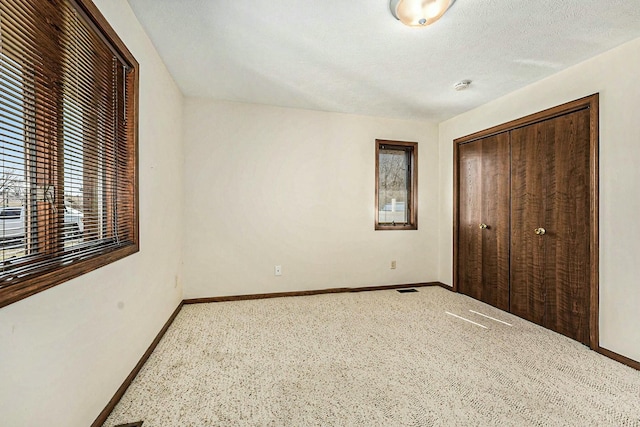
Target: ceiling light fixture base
{"type": "Point", "coordinates": [419, 13]}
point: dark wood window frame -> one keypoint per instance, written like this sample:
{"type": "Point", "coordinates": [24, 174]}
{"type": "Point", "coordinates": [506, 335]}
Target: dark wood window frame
{"type": "Point", "coordinates": [48, 262]}
{"type": "Point", "coordinates": [411, 148]}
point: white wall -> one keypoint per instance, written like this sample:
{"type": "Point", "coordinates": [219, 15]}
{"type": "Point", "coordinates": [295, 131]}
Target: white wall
{"type": "Point", "coordinates": [262, 186]}
{"type": "Point", "coordinates": [612, 74]}
{"type": "Point", "coordinates": [65, 351]}
{"type": "Point", "coordinates": [267, 185]}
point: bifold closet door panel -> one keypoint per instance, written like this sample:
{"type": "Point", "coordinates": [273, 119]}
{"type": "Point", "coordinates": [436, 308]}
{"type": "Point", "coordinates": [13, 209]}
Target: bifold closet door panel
{"type": "Point", "coordinates": [529, 165]}
{"type": "Point", "coordinates": [550, 228]}
{"type": "Point", "coordinates": [483, 229]}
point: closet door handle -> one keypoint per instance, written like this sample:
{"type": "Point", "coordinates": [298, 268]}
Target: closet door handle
{"type": "Point", "coordinates": [483, 226]}
{"type": "Point", "coordinates": [540, 231]}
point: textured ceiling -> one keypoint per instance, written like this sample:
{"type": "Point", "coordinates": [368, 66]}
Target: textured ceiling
{"type": "Point", "coordinates": [352, 56]}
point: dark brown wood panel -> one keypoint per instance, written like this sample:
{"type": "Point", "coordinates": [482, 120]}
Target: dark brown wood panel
{"type": "Point", "coordinates": [569, 305]}
{"type": "Point", "coordinates": [550, 189]}
{"type": "Point", "coordinates": [527, 178]}
{"type": "Point", "coordinates": [483, 192]}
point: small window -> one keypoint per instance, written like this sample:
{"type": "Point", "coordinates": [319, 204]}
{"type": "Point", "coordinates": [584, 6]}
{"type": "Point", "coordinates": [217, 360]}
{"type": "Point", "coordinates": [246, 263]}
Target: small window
{"type": "Point", "coordinates": [396, 185]}
{"type": "Point", "coordinates": [68, 145]}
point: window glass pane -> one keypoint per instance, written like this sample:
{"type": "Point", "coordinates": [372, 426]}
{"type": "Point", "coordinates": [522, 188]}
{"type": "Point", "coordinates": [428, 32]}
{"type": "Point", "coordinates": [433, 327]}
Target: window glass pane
{"type": "Point", "coordinates": [393, 189]}
{"type": "Point", "coordinates": [73, 175]}
{"type": "Point", "coordinates": [13, 188]}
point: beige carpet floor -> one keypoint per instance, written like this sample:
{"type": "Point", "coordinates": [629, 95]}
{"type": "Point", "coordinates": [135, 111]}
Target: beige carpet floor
{"type": "Point", "coordinates": [373, 359]}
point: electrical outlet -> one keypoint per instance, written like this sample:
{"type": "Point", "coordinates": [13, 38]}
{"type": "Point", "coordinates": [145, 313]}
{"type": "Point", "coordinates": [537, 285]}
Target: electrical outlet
{"type": "Point", "coordinates": [393, 264]}
{"type": "Point", "coordinates": [278, 270]}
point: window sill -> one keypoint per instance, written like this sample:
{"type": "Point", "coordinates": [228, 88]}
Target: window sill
{"type": "Point", "coordinates": [10, 292]}
{"type": "Point", "coordinates": [396, 227]}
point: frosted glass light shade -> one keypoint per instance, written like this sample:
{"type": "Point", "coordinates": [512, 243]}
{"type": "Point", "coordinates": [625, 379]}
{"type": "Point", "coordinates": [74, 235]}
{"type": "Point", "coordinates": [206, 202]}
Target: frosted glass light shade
{"type": "Point", "coordinates": [419, 13]}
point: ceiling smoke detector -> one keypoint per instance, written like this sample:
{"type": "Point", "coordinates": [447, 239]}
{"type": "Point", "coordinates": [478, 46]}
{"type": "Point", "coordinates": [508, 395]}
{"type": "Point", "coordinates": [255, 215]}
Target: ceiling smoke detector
{"type": "Point", "coordinates": [464, 84]}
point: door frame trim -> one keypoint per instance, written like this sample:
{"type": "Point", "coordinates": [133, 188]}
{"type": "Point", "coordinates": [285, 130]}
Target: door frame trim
{"type": "Point", "coordinates": [589, 102]}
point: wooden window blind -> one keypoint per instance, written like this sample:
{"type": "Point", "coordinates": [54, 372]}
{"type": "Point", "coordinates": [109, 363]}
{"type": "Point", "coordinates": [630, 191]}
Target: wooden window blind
{"type": "Point", "coordinates": [68, 145]}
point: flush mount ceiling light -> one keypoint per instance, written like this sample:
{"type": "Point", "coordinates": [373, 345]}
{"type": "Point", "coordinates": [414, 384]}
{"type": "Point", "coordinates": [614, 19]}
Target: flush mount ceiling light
{"type": "Point", "coordinates": [419, 13]}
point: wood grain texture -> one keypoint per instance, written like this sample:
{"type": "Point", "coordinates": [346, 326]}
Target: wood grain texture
{"type": "Point", "coordinates": [483, 193]}
{"type": "Point", "coordinates": [550, 189]}
{"type": "Point", "coordinates": [527, 208]}
{"type": "Point", "coordinates": [552, 307]}
{"type": "Point", "coordinates": [594, 216]}
{"type": "Point", "coordinates": [590, 102]}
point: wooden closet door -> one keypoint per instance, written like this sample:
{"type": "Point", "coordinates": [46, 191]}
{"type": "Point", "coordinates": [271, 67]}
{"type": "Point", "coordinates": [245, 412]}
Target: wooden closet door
{"type": "Point", "coordinates": [483, 253]}
{"type": "Point", "coordinates": [550, 272]}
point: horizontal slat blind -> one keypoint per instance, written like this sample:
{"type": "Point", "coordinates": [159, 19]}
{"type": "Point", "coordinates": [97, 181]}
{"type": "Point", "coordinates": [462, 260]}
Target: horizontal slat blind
{"type": "Point", "coordinates": [67, 160]}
